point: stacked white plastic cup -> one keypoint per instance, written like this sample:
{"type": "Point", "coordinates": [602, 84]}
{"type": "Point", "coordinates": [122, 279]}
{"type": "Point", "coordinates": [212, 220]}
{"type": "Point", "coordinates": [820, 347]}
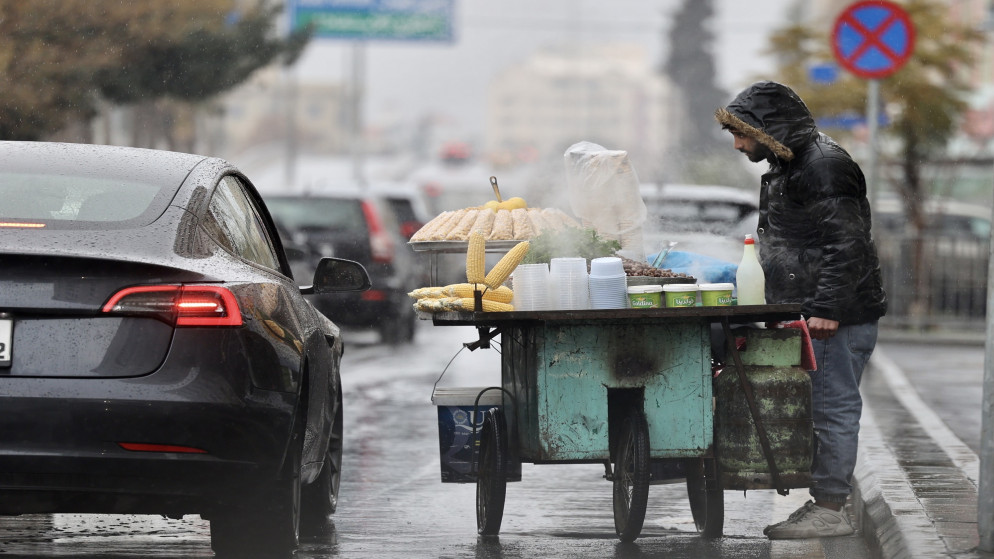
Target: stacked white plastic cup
{"type": "Point", "coordinates": [568, 283]}
{"type": "Point", "coordinates": [531, 287]}
{"type": "Point", "coordinates": [608, 283]}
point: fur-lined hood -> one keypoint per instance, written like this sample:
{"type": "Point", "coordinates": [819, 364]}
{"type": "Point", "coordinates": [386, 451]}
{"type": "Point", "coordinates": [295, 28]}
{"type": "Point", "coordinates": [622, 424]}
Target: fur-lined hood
{"type": "Point", "coordinates": [772, 114]}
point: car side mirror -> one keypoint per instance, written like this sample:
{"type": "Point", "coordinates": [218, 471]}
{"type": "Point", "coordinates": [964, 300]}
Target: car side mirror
{"type": "Point", "coordinates": [337, 274]}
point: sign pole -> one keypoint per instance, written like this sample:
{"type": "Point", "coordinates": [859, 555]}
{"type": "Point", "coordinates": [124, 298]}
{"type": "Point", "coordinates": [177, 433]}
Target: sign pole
{"type": "Point", "coordinates": [358, 96]}
{"type": "Point", "coordinates": [290, 110]}
{"type": "Point", "coordinates": [985, 496]}
{"type": "Point", "coordinates": [872, 116]}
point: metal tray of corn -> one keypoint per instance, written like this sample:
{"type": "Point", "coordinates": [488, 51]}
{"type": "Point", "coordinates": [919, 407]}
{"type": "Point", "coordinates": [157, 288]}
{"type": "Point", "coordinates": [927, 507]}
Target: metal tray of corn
{"type": "Point", "coordinates": [461, 246]}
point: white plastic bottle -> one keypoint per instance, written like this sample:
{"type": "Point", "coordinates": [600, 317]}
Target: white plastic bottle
{"type": "Point", "coordinates": [750, 282]}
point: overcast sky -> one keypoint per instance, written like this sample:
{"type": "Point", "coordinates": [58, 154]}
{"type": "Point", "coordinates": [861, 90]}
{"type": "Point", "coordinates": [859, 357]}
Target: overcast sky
{"type": "Point", "coordinates": [407, 79]}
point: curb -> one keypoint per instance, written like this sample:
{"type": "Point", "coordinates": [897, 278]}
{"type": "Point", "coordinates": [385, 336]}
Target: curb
{"type": "Point", "coordinates": [891, 519]}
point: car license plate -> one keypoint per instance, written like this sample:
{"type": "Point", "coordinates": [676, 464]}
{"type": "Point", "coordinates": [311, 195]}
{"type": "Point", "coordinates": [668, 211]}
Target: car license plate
{"type": "Point", "coordinates": [6, 335]}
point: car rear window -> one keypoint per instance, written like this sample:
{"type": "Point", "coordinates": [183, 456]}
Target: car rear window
{"type": "Point", "coordinates": [343, 214]}
{"type": "Point", "coordinates": [38, 196]}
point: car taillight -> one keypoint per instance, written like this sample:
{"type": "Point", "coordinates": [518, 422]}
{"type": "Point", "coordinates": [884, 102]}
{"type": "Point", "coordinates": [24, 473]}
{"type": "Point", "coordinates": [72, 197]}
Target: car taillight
{"type": "Point", "coordinates": [151, 447]}
{"type": "Point", "coordinates": [182, 305]}
{"type": "Point", "coordinates": [373, 295]}
{"type": "Point", "coordinates": [409, 228]}
{"type": "Point", "coordinates": [380, 244]}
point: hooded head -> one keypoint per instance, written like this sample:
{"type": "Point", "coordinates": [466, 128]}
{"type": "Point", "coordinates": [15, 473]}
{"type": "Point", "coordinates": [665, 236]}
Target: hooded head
{"type": "Point", "coordinates": [772, 114]}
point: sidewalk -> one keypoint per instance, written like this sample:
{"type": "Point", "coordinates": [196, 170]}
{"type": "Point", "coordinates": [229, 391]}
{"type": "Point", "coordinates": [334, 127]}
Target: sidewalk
{"type": "Point", "coordinates": [915, 481]}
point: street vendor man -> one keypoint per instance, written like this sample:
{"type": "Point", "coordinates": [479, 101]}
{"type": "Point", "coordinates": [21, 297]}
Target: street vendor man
{"type": "Point", "coordinates": [815, 248]}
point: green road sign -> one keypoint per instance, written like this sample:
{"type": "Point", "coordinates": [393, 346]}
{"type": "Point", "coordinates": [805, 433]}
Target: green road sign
{"type": "Point", "coordinates": [427, 20]}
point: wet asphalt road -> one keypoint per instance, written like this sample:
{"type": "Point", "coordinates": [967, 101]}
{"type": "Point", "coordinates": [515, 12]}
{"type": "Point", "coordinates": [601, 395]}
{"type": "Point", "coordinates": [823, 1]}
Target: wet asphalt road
{"type": "Point", "coordinates": [949, 379]}
{"type": "Point", "coordinates": [394, 506]}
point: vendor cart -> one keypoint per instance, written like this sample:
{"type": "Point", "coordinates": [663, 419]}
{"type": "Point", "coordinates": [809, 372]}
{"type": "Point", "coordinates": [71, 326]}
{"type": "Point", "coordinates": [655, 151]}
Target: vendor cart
{"type": "Point", "coordinates": [634, 390]}
{"type": "Point", "coordinates": [638, 391]}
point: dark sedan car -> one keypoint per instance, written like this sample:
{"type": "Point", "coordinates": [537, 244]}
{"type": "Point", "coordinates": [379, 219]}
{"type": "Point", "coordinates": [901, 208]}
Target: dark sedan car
{"type": "Point", "coordinates": [364, 228]}
{"type": "Point", "coordinates": [156, 354]}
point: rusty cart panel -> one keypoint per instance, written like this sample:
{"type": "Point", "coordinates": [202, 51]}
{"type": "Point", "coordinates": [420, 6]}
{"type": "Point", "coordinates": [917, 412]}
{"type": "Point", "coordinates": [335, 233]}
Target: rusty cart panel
{"type": "Point", "coordinates": [569, 377]}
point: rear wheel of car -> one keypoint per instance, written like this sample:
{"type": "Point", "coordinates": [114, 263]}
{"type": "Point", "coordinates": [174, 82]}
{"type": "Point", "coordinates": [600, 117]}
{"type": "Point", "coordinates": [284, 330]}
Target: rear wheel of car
{"type": "Point", "coordinates": [319, 500]}
{"type": "Point", "coordinates": [268, 522]}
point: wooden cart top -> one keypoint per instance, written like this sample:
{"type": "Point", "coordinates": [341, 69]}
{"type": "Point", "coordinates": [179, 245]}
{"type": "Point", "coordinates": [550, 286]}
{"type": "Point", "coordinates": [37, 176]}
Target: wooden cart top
{"type": "Point", "coordinates": [734, 314]}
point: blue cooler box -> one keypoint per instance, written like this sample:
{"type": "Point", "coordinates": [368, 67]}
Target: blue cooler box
{"type": "Point", "coordinates": [458, 450]}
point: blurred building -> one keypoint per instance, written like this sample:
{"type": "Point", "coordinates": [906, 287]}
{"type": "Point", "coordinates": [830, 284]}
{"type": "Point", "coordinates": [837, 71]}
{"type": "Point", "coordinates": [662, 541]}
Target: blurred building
{"type": "Point", "coordinates": [258, 113]}
{"type": "Point", "coordinates": [610, 95]}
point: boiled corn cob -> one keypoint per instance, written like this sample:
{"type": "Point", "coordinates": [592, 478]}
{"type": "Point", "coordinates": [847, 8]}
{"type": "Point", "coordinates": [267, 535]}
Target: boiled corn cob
{"type": "Point", "coordinates": [462, 229]}
{"type": "Point", "coordinates": [459, 304]}
{"type": "Point", "coordinates": [467, 304]}
{"type": "Point", "coordinates": [503, 227]}
{"type": "Point", "coordinates": [476, 267]}
{"type": "Point", "coordinates": [506, 265]}
{"type": "Point", "coordinates": [429, 305]}
{"type": "Point", "coordinates": [521, 226]}
{"type": "Point", "coordinates": [485, 220]}
{"type": "Point", "coordinates": [426, 231]}
{"type": "Point", "coordinates": [502, 294]}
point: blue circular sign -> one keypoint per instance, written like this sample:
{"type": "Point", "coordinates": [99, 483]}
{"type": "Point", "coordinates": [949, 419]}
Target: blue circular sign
{"type": "Point", "coordinates": [873, 38]}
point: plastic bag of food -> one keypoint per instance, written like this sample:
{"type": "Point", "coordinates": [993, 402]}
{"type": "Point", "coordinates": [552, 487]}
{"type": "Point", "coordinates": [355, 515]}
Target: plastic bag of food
{"type": "Point", "coordinates": [604, 194]}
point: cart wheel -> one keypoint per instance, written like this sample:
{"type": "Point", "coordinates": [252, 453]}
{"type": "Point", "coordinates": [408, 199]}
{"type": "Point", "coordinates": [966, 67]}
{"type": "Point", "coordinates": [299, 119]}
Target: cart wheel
{"type": "Point", "coordinates": [631, 477]}
{"type": "Point", "coordinates": [707, 504]}
{"type": "Point", "coordinates": [491, 476]}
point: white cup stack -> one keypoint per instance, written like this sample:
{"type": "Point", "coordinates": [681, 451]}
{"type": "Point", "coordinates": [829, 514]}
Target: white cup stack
{"type": "Point", "coordinates": [608, 283]}
{"type": "Point", "coordinates": [531, 287]}
{"type": "Point", "coordinates": [568, 284]}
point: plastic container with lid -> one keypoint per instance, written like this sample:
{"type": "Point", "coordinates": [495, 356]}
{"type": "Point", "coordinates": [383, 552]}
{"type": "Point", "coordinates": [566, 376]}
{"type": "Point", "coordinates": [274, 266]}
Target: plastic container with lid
{"type": "Point", "coordinates": [716, 294]}
{"type": "Point", "coordinates": [680, 294]}
{"type": "Point", "coordinates": [645, 296]}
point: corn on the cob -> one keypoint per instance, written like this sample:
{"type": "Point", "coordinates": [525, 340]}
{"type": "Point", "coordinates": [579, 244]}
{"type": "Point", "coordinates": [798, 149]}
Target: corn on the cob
{"type": "Point", "coordinates": [429, 305]}
{"type": "Point", "coordinates": [426, 231]}
{"type": "Point", "coordinates": [502, 294]}
{"type": "Point", "coordinates": [467, 304]}
{"type": "Point", "coordinates": [441, 225]}
{"type": "Point", "coordinates": [461, 229]}
{"type": "Point", "coordinates": [485, 220]}
{"type": "Point", "coordinates": [503, 228]}
{"type": "Point", "coordinates": [476, 266]}
{"type": "Point", "coordinates": [506, 265]}
{"type": "Point", "coordinates": [521, 225]}
{"type": "Point", "coordinates": [537, 221]}
{"type": "Point", "coordinates": [459, 304]}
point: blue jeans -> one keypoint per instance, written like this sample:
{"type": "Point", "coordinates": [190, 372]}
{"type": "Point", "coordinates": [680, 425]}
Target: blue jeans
{"type": "Point", "coordinates": [836, 408]}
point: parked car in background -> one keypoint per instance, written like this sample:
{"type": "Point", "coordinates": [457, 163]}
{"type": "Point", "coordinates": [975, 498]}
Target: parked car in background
{"type": "Point", "coordinates": [406, 202]}
{"type": "Point", "coordinates": [954, 248]}
{"type": "Point", "coordinates": [946, 218]}
{"type": "Point", "coordinates": [156, 356]}
{"type": "Point", "coordinates": [359, 226]}
{"type": "Point", "coordinates": [703, 219]}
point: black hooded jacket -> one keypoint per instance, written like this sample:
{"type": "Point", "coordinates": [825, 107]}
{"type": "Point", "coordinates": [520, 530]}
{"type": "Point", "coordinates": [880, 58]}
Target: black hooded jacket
{"type": "Point", "coordinates": [814, 218]}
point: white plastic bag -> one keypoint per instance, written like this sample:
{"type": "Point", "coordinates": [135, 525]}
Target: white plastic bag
{"type": "Point", "coordinates": [604, 194]}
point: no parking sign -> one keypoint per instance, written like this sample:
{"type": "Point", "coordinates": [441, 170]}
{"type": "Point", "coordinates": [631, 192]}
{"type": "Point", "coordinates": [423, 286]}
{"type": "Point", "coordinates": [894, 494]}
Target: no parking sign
{"type": "Point", "coordinates": [873, 39]}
